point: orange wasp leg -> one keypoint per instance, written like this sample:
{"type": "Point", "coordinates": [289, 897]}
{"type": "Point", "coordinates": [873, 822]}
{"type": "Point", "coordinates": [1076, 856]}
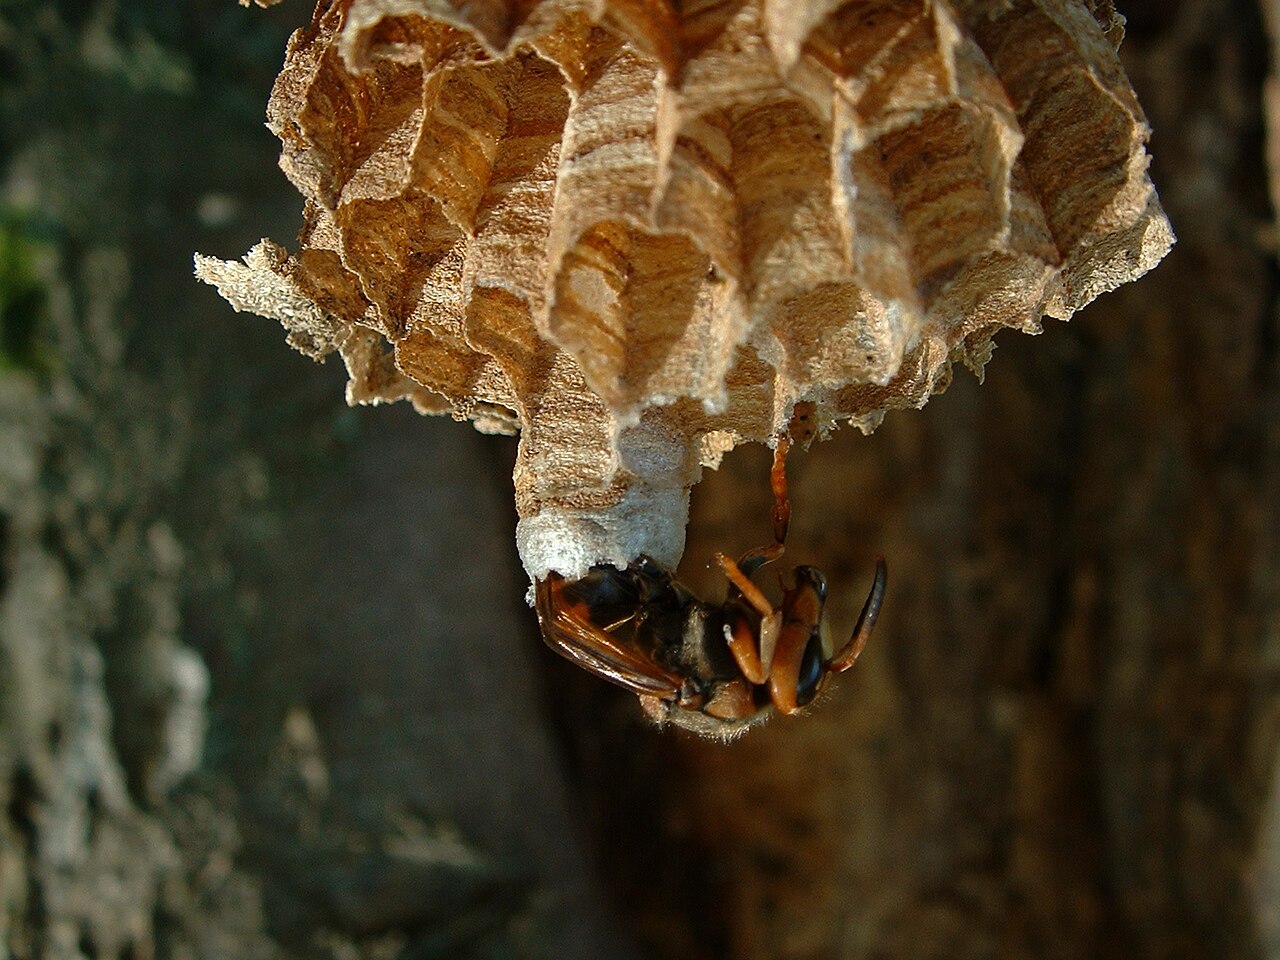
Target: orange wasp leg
{"type": "Point", "coordinates": [754, 653]}
{"type": "Point", "coordinates": [778, 482]}
{"type": "Point", "coordinates": [801, 614]}
{"type": "Point", "coordinates": [750, 592]}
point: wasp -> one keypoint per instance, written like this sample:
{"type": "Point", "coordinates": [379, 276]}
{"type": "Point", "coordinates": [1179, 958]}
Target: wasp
{"type": "Point", "coordinates": [715, 669]}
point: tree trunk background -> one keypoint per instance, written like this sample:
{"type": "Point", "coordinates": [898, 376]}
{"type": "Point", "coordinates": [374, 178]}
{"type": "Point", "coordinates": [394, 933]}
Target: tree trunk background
{"type": "Point", "coordinates": [267, 688]}
{"type": "Point", "coordinates": [1062, 740]}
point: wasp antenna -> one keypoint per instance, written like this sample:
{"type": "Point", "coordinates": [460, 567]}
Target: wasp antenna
{"type": "Point", "coordinates": [846, 657]}
{"type": "Point", "coordinates": [750, 592]}
{"type": "Point", "coordinates": [753, 560]}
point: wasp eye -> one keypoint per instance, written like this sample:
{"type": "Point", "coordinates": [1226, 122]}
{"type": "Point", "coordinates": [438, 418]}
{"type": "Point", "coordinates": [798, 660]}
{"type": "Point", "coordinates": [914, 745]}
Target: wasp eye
{"type": "Point", "coordinates": [810, 671]}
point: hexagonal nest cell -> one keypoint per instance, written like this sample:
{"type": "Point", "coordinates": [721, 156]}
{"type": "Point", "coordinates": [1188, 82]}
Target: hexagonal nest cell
{"type": "Point", "coordinates": [640, 232]}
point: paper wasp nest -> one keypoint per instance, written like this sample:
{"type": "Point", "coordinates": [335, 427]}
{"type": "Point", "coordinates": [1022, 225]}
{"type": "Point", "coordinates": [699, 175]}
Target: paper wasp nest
{"type": "Point", "coordinates": [641, 231]}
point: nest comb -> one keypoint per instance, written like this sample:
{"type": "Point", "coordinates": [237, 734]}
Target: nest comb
{"type": "Point", "coordinates": [640, 232]}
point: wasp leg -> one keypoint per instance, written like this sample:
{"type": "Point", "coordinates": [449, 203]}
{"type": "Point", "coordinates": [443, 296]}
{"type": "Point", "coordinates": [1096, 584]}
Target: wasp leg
{"type": "Point", "coordinates": [740, 635]}
{"type": "Point", "coordinates": [778, 482]}
{"type": "Point", "coordinates": [750, 592]}
{"type": "Point", "coordinates": [752, 648]}
{"type": "Point", "coordinates": [572, 636]}
{"type": "Point", "coordinates": [845, 657]}
{"type": "Point", "coordinates": [753, 560]}
{"type": "Point", "coordinates": [801, 615]}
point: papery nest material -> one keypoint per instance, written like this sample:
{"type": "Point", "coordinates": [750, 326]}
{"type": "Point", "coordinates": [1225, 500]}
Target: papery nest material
{"type": "Point", "coordinates": [641, 232]}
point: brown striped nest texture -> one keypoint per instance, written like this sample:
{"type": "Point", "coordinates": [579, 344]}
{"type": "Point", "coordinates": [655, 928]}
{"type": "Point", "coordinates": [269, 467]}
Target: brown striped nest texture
{"type": "Point", "coordinates": [640, 231]}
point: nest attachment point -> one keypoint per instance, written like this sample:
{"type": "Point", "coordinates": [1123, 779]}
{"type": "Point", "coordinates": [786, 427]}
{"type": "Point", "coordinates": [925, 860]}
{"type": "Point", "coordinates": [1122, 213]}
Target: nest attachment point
{"type": "Point", "coordinates": [639, 232]}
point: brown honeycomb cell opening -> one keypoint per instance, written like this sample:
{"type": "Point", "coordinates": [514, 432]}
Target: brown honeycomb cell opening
{"type": "Point", "coordinates": [641, 232]}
